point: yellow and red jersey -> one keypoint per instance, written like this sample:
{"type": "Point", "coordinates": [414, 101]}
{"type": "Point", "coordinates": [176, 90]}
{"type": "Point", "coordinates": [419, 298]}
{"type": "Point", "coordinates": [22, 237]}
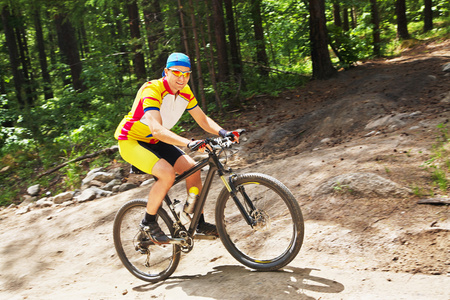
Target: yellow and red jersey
{"type": "Point", "coordinates": [154, 95]}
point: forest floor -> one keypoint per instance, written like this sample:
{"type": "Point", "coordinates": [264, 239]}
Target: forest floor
{"type": "Point", "coordinates": [380, 117]}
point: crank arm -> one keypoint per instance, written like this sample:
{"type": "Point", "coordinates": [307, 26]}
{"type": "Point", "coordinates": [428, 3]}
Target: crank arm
{"type": "Point", "coordinates": [178, 241]}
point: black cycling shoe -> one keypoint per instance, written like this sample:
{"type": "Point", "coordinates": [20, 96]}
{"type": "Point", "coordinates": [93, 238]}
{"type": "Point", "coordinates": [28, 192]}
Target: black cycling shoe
{"type": "Point", "coordinates": [207, 229]}
{"type": "Point", "coordinates": [155, 233]}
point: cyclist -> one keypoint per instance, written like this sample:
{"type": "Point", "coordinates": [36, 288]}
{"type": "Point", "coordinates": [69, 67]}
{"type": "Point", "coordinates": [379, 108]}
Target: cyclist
{"type": "Point", "coordinates": [147, 142]}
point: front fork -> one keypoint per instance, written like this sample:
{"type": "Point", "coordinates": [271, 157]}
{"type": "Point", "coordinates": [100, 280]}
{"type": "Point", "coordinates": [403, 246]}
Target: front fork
{"type": "Point", "coordinates": [241, 190]}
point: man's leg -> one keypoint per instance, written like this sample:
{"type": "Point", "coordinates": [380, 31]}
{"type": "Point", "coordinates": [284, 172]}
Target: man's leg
{"type": "Point", "coordinates": [166, 176]}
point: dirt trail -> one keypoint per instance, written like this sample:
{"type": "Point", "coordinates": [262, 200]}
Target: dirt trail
{"type": "Point", "coordinates": [357, 245]}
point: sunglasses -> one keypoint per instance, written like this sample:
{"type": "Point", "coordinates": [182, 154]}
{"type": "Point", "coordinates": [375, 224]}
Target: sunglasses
{"type": "Point", "coordinates": [179, 73]}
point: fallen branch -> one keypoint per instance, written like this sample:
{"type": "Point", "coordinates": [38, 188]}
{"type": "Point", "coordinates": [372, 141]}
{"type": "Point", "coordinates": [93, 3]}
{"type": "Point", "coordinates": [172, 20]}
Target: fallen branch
{"type": "Point", "coordinates": [434, 201]}
{"type": "Point", "coordinates": [90, 155]}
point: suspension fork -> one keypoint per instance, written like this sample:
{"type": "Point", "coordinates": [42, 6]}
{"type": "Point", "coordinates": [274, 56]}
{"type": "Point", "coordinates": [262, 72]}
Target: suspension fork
{"type": "Point", "coordinates": [229, 185]}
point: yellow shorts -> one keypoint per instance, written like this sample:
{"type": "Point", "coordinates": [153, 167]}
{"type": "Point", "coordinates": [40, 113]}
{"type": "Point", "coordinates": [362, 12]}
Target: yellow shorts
{"type": "Point", "coordinates": [144, 156]}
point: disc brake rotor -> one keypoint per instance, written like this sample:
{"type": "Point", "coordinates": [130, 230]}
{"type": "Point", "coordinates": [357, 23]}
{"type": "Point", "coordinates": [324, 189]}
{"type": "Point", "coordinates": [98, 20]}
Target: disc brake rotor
{"type": "Point", "coordinates": [262, 220]}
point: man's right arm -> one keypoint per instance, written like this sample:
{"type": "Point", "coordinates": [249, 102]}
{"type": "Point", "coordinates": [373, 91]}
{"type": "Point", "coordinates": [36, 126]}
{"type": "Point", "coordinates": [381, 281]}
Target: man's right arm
{"type": "Point", "coordinates": [154, 121]}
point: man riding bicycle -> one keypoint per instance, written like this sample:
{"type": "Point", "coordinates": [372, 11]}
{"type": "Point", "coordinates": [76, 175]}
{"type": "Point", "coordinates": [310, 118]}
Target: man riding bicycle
{"type": "Point", "coordinates": [147, 142]}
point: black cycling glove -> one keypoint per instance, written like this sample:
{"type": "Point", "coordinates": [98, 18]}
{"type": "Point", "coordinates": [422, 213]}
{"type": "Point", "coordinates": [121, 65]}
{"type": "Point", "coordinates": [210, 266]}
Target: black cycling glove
{"type": "Point", "coordinates": [233, 135]}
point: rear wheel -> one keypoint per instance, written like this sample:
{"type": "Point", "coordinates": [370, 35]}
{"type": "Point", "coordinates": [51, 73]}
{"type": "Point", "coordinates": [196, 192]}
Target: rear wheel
{"type": "Point", "coordinates": [276, 235]}
{"type": "Point", "coordinates": [143, 258]}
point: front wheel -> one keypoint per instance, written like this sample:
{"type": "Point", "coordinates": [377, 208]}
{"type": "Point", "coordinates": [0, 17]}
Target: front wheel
{"type": "Point", "coordinates": [139, 255]}
{"type": "Point", "coordinates": [276, 234]}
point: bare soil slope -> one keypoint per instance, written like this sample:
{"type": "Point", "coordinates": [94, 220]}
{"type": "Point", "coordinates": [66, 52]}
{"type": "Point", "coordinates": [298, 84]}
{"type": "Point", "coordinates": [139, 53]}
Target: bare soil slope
{"type": "Point", "coordinates": [328, 142]}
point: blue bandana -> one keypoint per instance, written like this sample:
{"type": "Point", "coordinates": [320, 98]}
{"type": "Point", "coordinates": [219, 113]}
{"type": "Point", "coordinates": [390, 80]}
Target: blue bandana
{"type": "Point", "coordinates": [177, 59]}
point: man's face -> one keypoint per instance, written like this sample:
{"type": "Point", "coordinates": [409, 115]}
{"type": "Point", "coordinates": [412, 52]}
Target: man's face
{"type": "Point", "coordinates": [177, 83]}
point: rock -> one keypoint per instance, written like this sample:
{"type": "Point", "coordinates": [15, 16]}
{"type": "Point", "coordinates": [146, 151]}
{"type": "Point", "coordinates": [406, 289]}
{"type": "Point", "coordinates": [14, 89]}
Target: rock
{"type": "Point", "coordinates": [34, 190]}
{"type": "Point", "coordinates": [366, 184]}
{"type": "Point", "coordinates": [446, 98]}
{"type": "Point", "coordinates": [99, 176]}
{"type": "Point", "coordinates": [96, 170]}
{"type": "Point", "coordinates": [27, 200]}
{"type": "Point", "coordinates": [393, 121]}
{"type": "Point", "coordinates": [127, 186]}
{"type": "Point", "coordinates": [446, 67]}
{"type": "Point", "coordinates": [63, 197]}
{"type": "Point", "coordinates": [101, 192]}
{"type": "Point", "coordinates": [109, 186]}
{"type": "Point", "coordinates": [70, 202]}
{"type": "Point", "coordinates": [87, 195]}
{"type": "Point", "coordinates": [5, 169]}
{"type": "Point", "coordinates": [23, 210]}
{"type": "Point", "coordinates": [147, 182]}
{"type": "Point", "coordinates": [118, 172]}
{"type": "Point", "coordinates": [44, 202]}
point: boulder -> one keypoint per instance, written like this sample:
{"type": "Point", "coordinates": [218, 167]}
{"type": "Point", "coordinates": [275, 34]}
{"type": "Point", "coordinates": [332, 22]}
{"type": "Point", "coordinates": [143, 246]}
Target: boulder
{"type": "Point", "coordinates": [63, 197]}
{"type": "Point", "coordinates": [110, 185]}
{"type": "Point", "coordinates": [99, 176]}
{"type": "Point", "coordinates": [127, 186]}
{"type": "Point", "coordinates": [34, 190]}
{"type": "Point", "coordinates": [147, 182]}
{"type": "Point", "coordinates": [446, 67]}
{"type": "Point", "coordinates": [44, 202]}
{"type": "Point", "coordinates": [87, 195]}
{"type": "Point", "coordinates": [364, 184]}
{"type": "Point", "coordinates": [23, 210]}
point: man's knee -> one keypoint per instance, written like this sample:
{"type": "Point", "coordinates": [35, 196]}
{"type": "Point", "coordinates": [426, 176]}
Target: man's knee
{"type": "Point", "coordinates": [164, 171]}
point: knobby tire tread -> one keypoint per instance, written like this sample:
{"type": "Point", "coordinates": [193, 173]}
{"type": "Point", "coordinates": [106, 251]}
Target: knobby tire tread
{"type": "Point", "coordinates": [118, 245]}
{"type": "Point", "coordinates": [295, 211]}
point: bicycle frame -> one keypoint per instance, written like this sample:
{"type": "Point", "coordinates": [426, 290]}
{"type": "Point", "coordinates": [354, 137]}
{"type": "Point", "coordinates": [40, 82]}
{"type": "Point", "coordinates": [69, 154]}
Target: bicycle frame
{"type": "Point", "coordinates": [214, 166]}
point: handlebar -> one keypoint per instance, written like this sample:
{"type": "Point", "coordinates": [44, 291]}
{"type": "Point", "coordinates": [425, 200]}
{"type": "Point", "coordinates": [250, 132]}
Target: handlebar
{"type": "Point", "coordinates": [219, 143]}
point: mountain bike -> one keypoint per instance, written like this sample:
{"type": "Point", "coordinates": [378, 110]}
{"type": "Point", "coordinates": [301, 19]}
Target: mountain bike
{"type": "Point", "coordinates": [258, 219]}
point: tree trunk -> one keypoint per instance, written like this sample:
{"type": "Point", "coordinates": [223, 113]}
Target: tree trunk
{"type": "Point", "coordinates": [221, 43]}
{"type": "Point", "coordinates": [337, 14]}
{"type": "Point", "coordinates": [138, 59]}
{"type": "Point", "coordinates": [83, 38]}
{"type": "Point", "coordinates": [261, 55]}
{"type": "Point", "coordinates": [184, 32]}
{"type": "Point", "coordinates": [117, 35]}
{"type": "Point", "coordinates": [187, 48]}
{"type": "Point", "coordinates": [25, 62]}
{"type": "Point", "coordinates": [155, 34]}
{"type": "Point", "coordinates": [428, 16]}
{"type": "Point", "coordinates": [235, 56]}
{"type": "Point", "coordinates": [48, 92]}
{"type": "Point", "coordinates": [210, 58]}
{"type": "Point", "coordinates": [68, 44]}
{"type": "Point", "coordinates": [321, 61]}
{"type": "Point", "coordinates": [346, 21]}
{"type": "Point", "coordinates": [354, 17]}
{"type": "Point", "coordinates": [402, 22]}
{"type": "Point", "coordinates": [201, 88]}
{"type": "Point", "coordinates": [13, 57]}
{"type": "Point", "coordinates": [376, 28]}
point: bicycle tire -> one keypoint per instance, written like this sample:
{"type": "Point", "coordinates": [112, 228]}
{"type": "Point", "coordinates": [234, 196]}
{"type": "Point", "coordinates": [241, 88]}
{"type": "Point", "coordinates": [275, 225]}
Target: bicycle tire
{"type": "Point", "coordinates": [134, 248]}
{"type": "Point", "coordinates": [278, 236]}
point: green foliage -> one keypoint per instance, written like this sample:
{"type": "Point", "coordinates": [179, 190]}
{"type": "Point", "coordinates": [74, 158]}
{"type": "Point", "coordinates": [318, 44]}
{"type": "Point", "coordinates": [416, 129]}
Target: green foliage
{"type": "Point", "coordinates": [342, 188]}
{"type": "Point", "coordinates": [352, 45]}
